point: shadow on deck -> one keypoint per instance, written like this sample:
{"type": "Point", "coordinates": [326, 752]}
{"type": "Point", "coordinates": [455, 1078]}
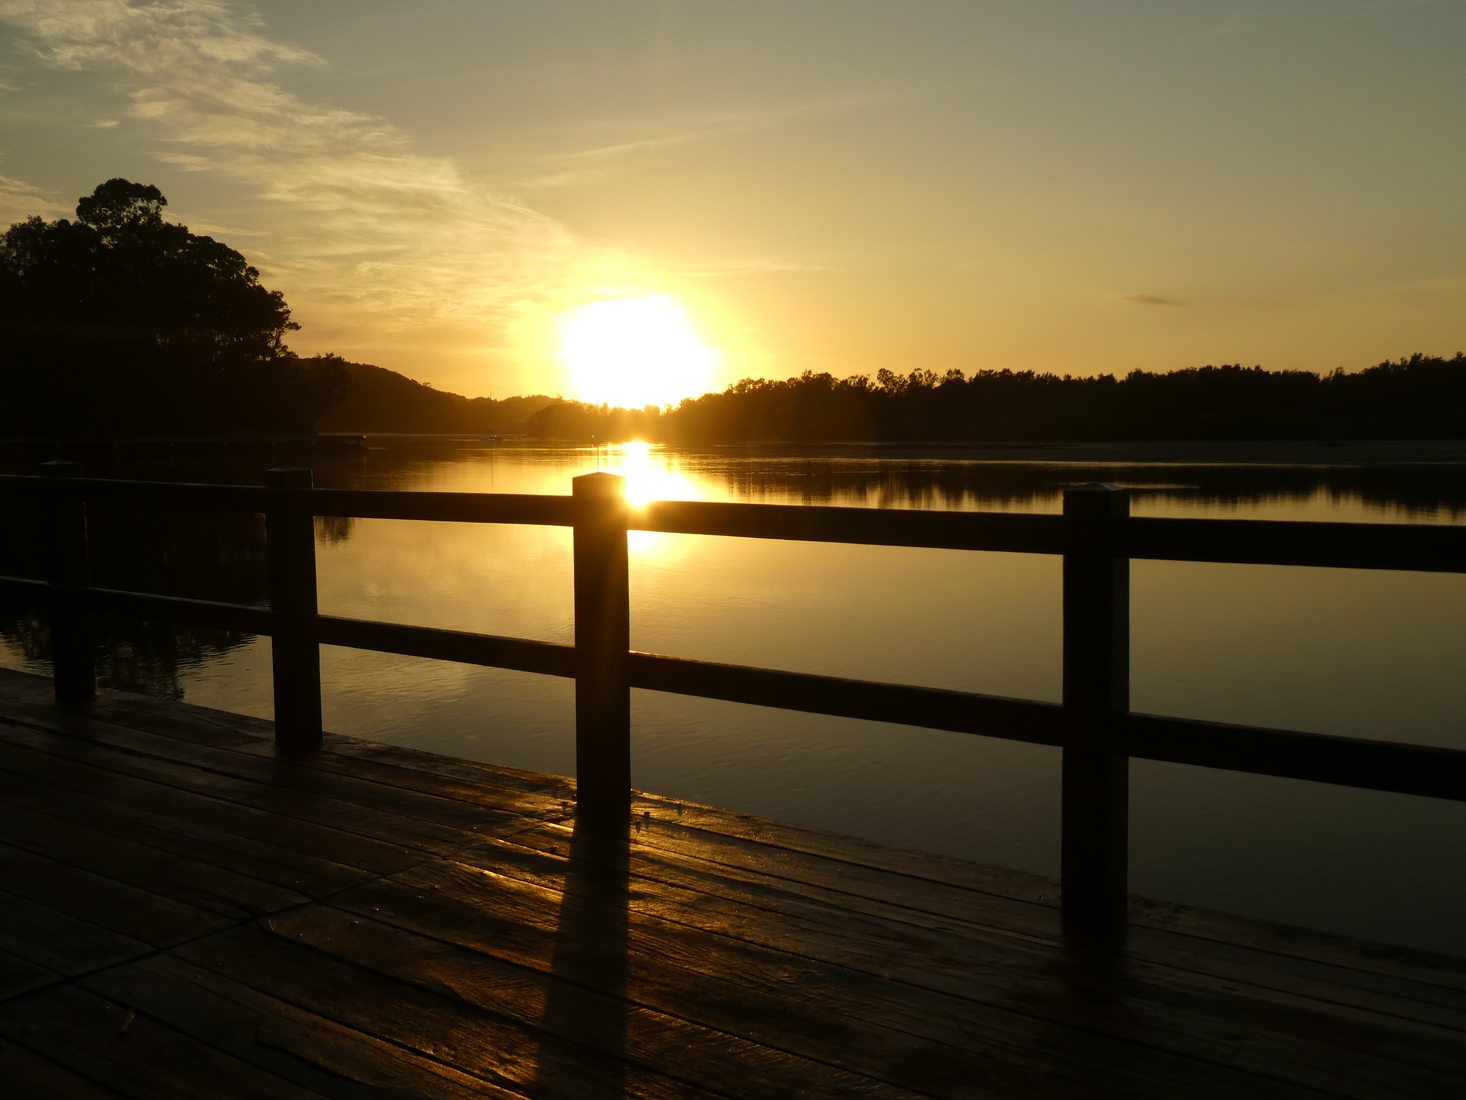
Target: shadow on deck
{"type": "Point", "coordinates": [182, 915]}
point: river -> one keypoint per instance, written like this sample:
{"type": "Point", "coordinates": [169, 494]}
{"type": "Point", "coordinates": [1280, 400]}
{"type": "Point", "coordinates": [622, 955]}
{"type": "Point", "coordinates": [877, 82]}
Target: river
{"type": "Point", "coordinates": [1361, 653]}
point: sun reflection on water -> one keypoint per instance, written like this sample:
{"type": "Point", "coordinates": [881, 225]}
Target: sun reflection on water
{"type": "Point", "coordinates": [649, 478]}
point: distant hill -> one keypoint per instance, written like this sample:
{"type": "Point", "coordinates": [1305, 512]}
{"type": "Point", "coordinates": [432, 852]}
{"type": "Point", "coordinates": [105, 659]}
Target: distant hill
{"type": "Point", "coordinates": [379, 400]}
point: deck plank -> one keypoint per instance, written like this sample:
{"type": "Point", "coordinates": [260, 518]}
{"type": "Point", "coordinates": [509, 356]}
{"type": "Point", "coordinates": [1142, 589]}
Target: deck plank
{"type": "Point", "coordinates": [322, 854]}
{"type": "Point", "coordinates": [129, 910]}
{"type": "Point", "coordinates": [389, 764]}
{"type": "Point", "coordinates": [58, 942]}
{"type": "Point", "coordinates": [276, 788]}
{"type": "Point", "coordinates": [19, 975]}
{"type": "Point", "coordinates": [868, 1023]}
{"type": "Point", "coordinates": [178, 907]}
{"type": "Point", "coordinates": [429, 822]}
{"type": "Point", "coordinates": [132, 809]}
{"type": "Point", "coordinates": [209, 887]}
{"type": "Point", "coordinates": [480, 1042]}
{"type": "Point", "coordinates": [111, 1045]}
{"type": "Point", "coordinates": [936, 954]}
{"type": "Point", "coordinates": [36, 1078]}
{"type": "Point", "coordinates": [491, 912]}
{"type": "Point", "coordinates": [279, 1038]}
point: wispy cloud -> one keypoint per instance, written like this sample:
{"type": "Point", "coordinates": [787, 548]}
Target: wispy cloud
{"type": "Point", "coordinates": [402, 240]}
{"type": "Point", "coordinates": [637, 138]}
{"type": "Point", "coordinates": [1155, 300]}
{"type": "Point", "coordinates": [19, 199]}
{"type": "Point", "coordinates": [376, 245]}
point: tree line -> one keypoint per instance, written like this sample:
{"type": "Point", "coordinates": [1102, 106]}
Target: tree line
{"type": "Point", "coordinates": [1417, 397]}
{"type": "Point", "coordinates": [119, 323]}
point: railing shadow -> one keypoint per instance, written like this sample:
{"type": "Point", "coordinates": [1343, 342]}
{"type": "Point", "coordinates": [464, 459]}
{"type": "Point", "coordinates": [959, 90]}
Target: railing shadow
{"type": "Point", "coordinates": [587, 994]}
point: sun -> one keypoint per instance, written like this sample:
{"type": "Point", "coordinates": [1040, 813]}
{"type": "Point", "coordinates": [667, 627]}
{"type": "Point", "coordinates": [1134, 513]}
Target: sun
{"type": "Point", "coordinates": [634, 351]}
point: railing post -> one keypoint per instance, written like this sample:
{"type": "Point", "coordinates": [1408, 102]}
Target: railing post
{"type": "Point", "coordinates": [1096, 779]}
{"type": "Point", "coordinates": [73, 661]}
{"type": "Point", "coordinates": [602, 642]}
{"type": "Point", "coordinates": [296, 657]}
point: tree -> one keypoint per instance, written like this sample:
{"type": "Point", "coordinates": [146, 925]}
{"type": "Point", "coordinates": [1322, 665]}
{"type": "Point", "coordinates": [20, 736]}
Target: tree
{"type": "Point", "coordinates": [122, 323]}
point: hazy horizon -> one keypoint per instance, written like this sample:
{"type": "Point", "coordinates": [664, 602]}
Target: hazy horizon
{"type": "Point", "coordinates": [632, 202]}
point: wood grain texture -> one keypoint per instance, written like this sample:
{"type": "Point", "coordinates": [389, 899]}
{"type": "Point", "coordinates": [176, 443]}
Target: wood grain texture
{"type": "Point", "coordinates": [184, 914]}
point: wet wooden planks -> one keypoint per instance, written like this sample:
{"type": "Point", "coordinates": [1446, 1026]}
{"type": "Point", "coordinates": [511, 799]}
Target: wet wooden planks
{"type": "Point", "coordinates": [182, 915]}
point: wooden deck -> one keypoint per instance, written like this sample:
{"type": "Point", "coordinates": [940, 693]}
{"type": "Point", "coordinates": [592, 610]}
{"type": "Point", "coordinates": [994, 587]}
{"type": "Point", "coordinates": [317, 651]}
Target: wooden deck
{"type": "Point", "coordinates": [182, 915]}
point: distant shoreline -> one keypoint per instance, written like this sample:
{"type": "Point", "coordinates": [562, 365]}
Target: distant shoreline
{"type": "Point", "coordinates": [1366, 452]}
{"type": "Point", "coordinates": [1385, 452]}
{"type": "Point", "coordinates": [1371, 453]}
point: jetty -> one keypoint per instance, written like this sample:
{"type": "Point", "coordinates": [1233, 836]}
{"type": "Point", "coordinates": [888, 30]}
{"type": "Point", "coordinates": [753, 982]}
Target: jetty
{"type": "Point", "coordinates": [201, 903]}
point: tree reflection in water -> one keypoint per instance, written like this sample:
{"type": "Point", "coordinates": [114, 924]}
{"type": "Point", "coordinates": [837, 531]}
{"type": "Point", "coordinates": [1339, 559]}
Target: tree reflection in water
{"type": "Point", "coordinates": [217, 556]}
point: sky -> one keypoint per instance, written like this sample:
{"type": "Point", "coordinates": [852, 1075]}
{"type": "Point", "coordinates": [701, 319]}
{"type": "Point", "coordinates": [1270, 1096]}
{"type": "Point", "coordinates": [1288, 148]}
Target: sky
{"type": "Point", "coordinates": [455, 189]}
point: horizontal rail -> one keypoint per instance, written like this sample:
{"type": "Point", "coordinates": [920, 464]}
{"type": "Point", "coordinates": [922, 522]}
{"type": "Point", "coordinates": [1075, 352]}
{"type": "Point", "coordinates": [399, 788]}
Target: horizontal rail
{"type": "Point", "coordinates": [464, 647]}
{"type": "Point", "coordinates": [999, 531]}
{"type": "Point", "coordinates": [1093, 727]}
{"type": "Point", "coordinates": [1367, 764]}
{"type": "Point", "coordinates": [146, 494]}
{"type": "Point", "coordinates": [903, 704]}
{"type": "Point", "coordinates": [1430, 548]}
{"type": "Point", "coordinates": [1423, 547]}
{"type": "Point", "coordinates": [525, 508]}
{"type": "Point", "coordinates": [149, 605]}
{"type": "Point", "coordinates": [26, 586]}
{"type": "Point", "coordinates": [181, 609]}
{"type": "Point", "coordinates": [1388, 766]}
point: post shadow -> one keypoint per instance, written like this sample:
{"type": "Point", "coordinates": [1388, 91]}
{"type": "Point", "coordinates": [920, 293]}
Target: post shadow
{"type": "Point", "coordinates": [585, 1002]}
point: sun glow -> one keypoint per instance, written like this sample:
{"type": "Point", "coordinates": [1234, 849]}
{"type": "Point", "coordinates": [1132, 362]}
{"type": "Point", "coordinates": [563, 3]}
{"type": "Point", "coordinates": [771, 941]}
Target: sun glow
{"type": "Point", "coordinates": [634, 352]}
{"type": "Point", "coordinates": [648, 476]}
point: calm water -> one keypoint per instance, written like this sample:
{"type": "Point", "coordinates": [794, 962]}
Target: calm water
{"type": "Point", "coordinates": [1335, 651]}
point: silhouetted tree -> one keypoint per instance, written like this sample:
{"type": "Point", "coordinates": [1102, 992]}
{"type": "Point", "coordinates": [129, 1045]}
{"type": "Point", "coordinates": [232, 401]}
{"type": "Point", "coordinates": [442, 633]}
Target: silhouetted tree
{"type": "Point", "coordinates": [1417, 397]}
{"type": "Point", "coordinates": [122, 323]}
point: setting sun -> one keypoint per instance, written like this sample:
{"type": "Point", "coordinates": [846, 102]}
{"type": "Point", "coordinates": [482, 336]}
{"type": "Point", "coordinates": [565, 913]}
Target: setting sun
{"type": "Point", "coordinates": [633, 352]}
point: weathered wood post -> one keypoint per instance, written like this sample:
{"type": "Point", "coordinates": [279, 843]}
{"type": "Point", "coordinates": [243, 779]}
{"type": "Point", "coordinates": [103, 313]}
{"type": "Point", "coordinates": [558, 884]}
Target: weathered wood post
{"type": "Point", "coordinates": [602, 642]}
{"type": "Point", "coordinates": [1096, 777]}
{"type": "Point", "coordinates": [295, 655]}
{"type": "Point", "coordinates": [73, 662]}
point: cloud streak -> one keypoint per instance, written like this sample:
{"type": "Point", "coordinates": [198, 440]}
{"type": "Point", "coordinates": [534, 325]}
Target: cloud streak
{"type": "Point", "coordinates": [581, 165]}
{"type": "Point", "coordinates": [1155, 300]}
{"type": "Point", "coordinates": [19, 200]}
{"type": "Point", "coordinates": [403, 242]}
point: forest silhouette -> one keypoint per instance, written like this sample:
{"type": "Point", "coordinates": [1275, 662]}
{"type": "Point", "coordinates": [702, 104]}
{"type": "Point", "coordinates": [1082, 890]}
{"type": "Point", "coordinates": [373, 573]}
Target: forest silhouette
{"type": "Point", "coordinates": [1419, 397]}
{"type": "Point", "coordinates": [121, 324]}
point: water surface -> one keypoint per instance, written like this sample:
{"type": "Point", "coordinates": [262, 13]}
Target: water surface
{"type": "Point", "coordinates": [1337, 651]}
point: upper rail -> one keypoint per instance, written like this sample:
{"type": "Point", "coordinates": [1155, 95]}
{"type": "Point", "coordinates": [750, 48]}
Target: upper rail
{"type": "Point", "coordinates": [1420, 547]}
{"type": "Point", "coordinates": [1094, 725]}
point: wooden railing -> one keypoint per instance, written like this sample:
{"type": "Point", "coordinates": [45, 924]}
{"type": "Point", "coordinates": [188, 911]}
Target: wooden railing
{"type": "Point", "coordinates": [1093, 726]}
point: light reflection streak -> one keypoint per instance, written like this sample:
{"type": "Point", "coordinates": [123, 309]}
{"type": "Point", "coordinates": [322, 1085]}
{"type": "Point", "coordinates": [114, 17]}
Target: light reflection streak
{"type": "Point", "coordinates": [649, 476]}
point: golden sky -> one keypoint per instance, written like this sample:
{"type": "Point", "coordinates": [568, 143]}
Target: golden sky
{"type": "Point", "coordinates": [443, 187]}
